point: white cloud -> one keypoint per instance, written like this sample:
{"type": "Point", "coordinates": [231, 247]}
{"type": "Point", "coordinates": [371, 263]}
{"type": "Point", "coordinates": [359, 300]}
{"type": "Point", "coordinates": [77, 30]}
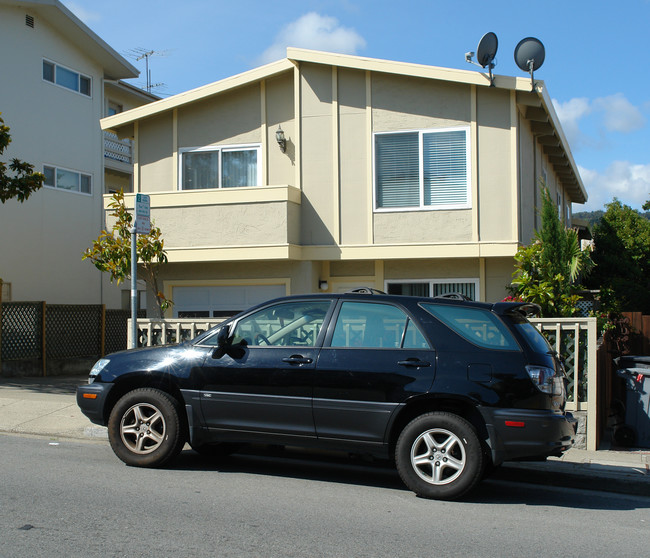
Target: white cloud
{"type": "Point", "coordinates": [619, 114]}
{"type": "Point", "coordinates": [615, 114]}
{"type": "Point", "coordinates": [628, 182]}
{"type": "Point", "coordinates": [317, 32]}
{"type": "Point", "coordinates": [570, 114]}
{"type": "Point", "coordinates": [82, 13]}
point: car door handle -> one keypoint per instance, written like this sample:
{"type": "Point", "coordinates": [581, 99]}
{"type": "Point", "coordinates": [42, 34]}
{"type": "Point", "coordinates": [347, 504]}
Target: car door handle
{"type": "Point", "coordinates": [414, 363]}
{"type": "Point", "coordinates": [297, 359]}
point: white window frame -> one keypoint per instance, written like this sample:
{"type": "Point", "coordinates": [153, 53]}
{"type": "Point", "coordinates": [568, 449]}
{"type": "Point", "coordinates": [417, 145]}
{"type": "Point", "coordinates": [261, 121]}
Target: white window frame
{"type": "Point", "coordinates": [221, 149]}
{"type": "Point", "coordinates": [422, 206]}
{"type": "Point", "coordinates": [79, 76]}
{"type": "Point", "coordinates": [431, 282]}
{"type": "Point", "coordinates": [55, 187]}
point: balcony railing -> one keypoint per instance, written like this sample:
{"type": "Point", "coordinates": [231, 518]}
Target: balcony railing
{"type": "Point", "coordinates": [117, 149]}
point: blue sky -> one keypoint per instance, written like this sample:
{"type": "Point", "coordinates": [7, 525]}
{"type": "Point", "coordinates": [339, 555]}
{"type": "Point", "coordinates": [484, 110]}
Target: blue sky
{"type": "Point", "coordinates": [597, 66]}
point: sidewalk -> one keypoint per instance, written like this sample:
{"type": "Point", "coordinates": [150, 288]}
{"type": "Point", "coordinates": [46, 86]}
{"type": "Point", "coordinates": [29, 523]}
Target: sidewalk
{"type": "Point", "coordinates": [48, 407]}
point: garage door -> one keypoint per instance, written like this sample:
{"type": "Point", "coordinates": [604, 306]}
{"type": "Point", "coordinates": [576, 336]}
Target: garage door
{"type": "Point", "coordinates": [221, 301]}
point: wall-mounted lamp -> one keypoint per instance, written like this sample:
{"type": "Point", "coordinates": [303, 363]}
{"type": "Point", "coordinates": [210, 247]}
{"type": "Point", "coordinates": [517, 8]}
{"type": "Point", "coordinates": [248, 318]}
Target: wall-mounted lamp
{"type": "Point", "coordinates": [282, 141]}
{"type": "Point", "coordinates": [322, 285]}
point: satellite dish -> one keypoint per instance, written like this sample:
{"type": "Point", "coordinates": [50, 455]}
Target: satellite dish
{"type": "Point", "coordinates": [529, 56]}
{"type": "Point", "coordinates": [487, 50]}
{"type": "Point", "coordinates": [485, 53]}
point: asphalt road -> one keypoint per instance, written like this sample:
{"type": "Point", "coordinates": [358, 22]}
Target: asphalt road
{"type": "Point", "coordinates": [71, 498]}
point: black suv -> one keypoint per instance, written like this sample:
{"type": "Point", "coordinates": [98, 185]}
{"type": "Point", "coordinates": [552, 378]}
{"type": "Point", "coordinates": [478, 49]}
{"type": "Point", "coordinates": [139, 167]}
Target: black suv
{"type": "Point", "coordinates": [446, 387]}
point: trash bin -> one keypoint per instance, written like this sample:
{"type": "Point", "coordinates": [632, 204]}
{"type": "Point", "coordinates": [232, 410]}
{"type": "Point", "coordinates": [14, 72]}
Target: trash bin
{"type": "Point", "coordinates": [635, 370]}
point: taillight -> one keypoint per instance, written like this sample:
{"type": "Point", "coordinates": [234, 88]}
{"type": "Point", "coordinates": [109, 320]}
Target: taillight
{"type": "Point", "coordinates": [543, 378]}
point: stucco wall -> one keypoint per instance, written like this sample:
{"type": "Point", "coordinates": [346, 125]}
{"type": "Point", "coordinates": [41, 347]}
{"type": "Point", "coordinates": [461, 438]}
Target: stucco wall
{"type": "Point", "coordinates": [43, 238]}
{"type": "Point", "coordinates": [495, 163]}
{"type": "Point", "coordinates": [355, 153]}
{"type": "Point", "coordinates": [318, 209]}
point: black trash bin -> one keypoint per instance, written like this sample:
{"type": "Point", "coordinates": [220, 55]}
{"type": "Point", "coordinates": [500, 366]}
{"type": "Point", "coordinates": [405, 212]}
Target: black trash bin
{"type": "Point", "coordinates": [635, 370]}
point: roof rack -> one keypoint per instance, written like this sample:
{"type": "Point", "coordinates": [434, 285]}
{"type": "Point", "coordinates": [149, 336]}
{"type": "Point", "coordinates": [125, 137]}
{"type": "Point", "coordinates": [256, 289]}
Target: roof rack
{"type": "Point", "coordinates": [453, 296]}
{"type": "Point", "coordinates": [365, 290]}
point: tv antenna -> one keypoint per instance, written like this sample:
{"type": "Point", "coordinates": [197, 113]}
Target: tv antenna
{"type": "Point", "coordinates": [485, 54]}
{"type": "Point", "coordinates": [529, 56]}
{"type": "Point", "coordinates": [142, 53]}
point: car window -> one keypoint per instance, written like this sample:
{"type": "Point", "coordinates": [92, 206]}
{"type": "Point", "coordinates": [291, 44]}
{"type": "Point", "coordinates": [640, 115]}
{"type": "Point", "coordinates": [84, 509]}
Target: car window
{"type": "Point", "coordinates": [375, 325]}
{"type": "Point", "coordinates": [478, 326]}
{"type": "Point", "coordinates": [286, 324]}
{"type": "Point", "coordinates": [534, 337]}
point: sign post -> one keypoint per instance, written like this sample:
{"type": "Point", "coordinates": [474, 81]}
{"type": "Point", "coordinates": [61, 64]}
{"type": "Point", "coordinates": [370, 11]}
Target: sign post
{"type": "Point", "coordinates": [142, 225]}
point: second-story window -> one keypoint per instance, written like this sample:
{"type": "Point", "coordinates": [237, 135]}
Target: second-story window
{"type": "Point", "coordinates": [54, 73]}
{"type": "Point", "coordinates": [220, 167]}
{"type": "Point", "coordinates": [426, 169]}
{"type": "Point", "coordinates": [65, 179]}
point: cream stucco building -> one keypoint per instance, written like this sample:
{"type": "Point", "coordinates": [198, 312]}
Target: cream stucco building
{"type": "Point", "coordinates": [402, 177]}
{"type": "Point", "coordinates": [59, 79]}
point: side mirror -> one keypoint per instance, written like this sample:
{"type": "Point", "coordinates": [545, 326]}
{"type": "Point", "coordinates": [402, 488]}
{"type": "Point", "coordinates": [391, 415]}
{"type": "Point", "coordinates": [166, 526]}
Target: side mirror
{"type": "Point", "coordinates": [223, 342]}
{"type": "Point", "coordinates": [225, 345]}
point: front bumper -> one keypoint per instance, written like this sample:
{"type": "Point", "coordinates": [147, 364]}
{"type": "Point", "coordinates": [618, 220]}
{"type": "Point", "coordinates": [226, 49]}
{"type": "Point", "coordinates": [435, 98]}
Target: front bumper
{"type": "Point", "coordinates": [528, 434]}
{"type": "Point", "coordinates": [91, 399]}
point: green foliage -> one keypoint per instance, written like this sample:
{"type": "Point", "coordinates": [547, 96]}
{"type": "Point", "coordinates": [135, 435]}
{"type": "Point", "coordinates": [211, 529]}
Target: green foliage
{"type": "Point", "coordinates": [111, 252]}
{"type": "Point", "coordinates": [24, 182]}
{"type": "Point", "coordinates": [622, 257]}
{"type": "Point", "coordinates": [547, 271]}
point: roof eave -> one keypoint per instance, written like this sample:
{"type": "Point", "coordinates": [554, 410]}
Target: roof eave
{"type": "Point", "coordinates": [113, 64]}
{"type": "Point", "coordinates": [200, 93]}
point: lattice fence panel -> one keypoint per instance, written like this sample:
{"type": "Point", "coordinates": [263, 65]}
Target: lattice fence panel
{"type": "Point", "coordinates": [117, 328]}
{"type": "Point", "coordinates": [73, 331]}
{"type": "Point", "coordinates": [22, 336]}
{"type": "Point", "coordinates": [575, 359]}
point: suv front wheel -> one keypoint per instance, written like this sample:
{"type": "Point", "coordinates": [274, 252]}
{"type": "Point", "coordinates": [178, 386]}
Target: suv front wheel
{"type": "Point", "coordinates": [439, 456]}
{"type": "Point", "coordinates": [145, 428]}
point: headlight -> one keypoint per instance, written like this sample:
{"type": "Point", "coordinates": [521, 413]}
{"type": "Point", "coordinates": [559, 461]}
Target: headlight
{"type": "Point", "coordinates": [97, 368]}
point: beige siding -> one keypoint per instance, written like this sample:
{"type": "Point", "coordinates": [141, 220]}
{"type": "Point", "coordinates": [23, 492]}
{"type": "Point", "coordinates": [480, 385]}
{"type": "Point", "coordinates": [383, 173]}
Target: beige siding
{"type": "Point", "coordinates": [494, 165]}
{"type": "Point", "coordinates": [226, 225]}
{"type": "Point", "coordinates": [317, 170]}
{"type": "Point", "coordinates": [280, 112]}
{"type": "Point", "coordinates": [155, 154]}
{"type": "Point", "coordinates": [528, 181]}
{"type": "Point", "coordinates": [423, 226]}
{"type": "Point", "coordinates": [354, 152]}
{"type": "Point", "coordinates": [231, 118]}
{"type": "Point", "coordinates": [404, 103]}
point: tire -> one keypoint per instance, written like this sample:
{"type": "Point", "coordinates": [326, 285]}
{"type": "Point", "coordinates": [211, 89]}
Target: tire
{"type": "Point", "coordinates": [439, 456]}
{"type": "Point", "coordinates": [145, 428]}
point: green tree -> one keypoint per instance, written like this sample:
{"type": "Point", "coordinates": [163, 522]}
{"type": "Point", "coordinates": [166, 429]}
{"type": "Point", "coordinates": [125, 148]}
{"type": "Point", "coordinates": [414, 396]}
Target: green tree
{"type": "Point", "coordinates": [548, 270]}
{"type": "Point", "coordinates": [24, 180]}
{"type": "Point", "coordinates": [111, 252]}
{"type": "Point", "coordinates": [622, 257]}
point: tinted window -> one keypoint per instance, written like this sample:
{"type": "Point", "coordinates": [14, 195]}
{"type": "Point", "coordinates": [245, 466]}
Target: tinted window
{"type": "Point", "coordinates": [375, 325]}
{"type": "Point", "coordinates": [287, 324]}
{"type": "Point", "coordinates": [534, 337]}
{"type": "Point", "coordinates": [478, 326]}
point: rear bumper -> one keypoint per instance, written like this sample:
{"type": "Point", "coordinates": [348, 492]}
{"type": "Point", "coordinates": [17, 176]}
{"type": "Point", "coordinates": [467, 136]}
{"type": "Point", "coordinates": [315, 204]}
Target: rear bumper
{"type": "Point", "coordinates": [528, 434]}
{"type": "Point", "coordinates": [91, 399]}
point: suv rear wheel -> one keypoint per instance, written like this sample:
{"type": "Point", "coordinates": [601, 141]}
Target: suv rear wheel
{"type": "Point", "coordinates": [439, 456]}
{"type": "Point", "coordinates": [145, 428]}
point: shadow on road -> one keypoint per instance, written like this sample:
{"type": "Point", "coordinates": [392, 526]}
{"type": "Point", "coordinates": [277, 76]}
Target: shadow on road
{"type": "Point", "coordinates": [343, 469]}
{"type": "Point", "coordinates": [59, 385]}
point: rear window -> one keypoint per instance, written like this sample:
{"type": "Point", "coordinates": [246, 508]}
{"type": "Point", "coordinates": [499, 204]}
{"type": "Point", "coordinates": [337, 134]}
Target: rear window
{"type": "Point", "coordinates": [536, 340]}
{"type": "Point", "coordinates": [478, 326]}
